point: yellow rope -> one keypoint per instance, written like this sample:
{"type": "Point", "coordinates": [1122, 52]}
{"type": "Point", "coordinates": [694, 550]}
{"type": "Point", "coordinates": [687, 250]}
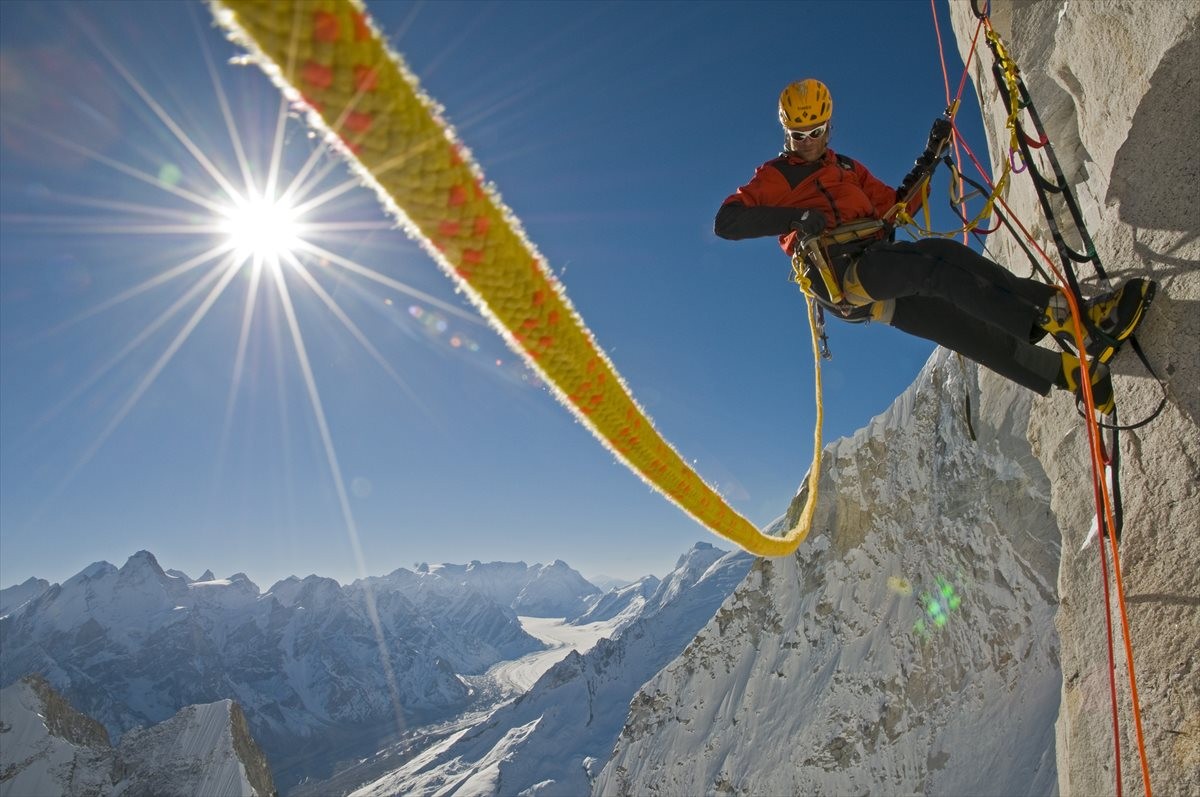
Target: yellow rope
{"type": "Point", "coordinates": [329, 54]}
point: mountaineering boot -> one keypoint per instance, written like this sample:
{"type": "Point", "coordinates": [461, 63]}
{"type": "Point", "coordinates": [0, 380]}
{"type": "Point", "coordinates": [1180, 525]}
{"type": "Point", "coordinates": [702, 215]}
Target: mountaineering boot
{"type": "Point", "coordinates": [1115, 315]}
{"type": "Point", "coordinates": [1102, 389]}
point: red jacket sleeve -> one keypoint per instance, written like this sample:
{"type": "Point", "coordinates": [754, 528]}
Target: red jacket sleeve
{"type": "Point", "coordinates": [766, 187]}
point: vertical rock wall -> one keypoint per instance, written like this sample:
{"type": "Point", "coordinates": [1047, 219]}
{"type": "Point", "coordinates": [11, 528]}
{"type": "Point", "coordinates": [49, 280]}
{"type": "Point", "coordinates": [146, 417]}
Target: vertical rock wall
{"type": "Point", "coordinates": [1116, 83]}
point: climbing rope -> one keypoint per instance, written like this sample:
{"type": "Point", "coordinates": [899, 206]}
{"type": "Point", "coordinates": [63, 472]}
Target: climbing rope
{"type": "Point", "coordinates": [330, 55]}
{"type": "Point", "coordinates": [1012, 88]}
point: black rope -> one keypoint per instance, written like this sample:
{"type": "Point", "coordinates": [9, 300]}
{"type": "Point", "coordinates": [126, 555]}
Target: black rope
{"type": "Point", "coordinates": [1033, 261]}
{"type": "Point", "coordinates": [1061, 187]}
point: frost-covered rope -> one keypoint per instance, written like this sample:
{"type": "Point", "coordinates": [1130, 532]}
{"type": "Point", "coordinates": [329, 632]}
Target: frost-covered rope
{"type": "Point", "coordinates": [329, 55]}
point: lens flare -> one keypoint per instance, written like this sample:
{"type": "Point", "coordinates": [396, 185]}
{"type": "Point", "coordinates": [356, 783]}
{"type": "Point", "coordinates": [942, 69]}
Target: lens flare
{"type": "Point", "coordinates": [938, 605]}
{"type": "Point", "coordinates": [263, 227]}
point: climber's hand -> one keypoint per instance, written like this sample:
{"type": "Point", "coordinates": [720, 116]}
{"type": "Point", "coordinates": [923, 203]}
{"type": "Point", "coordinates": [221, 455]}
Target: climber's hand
{"type": "Point", "coordinates": [810, 223]}
{"type": "Point", "coordinates": [940, 133]}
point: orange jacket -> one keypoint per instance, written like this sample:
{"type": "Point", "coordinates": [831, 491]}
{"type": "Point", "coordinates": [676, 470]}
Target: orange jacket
{"type": "Point", "coordinates": [839, 187]}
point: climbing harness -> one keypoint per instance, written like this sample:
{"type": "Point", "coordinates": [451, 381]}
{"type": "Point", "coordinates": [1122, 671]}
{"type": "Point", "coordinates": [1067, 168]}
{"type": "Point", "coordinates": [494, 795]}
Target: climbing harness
{"type": "Point", "coordinates": [813, 254]}
{"type": "Point", "coordinates": [330, 55]}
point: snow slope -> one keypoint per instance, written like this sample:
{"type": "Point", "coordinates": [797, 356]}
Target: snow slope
{"type": "Point", "coordinates": [832, 672]}
{"type": "Point", "coordinates": [498, 685]}
{"type": "Point", "coordinates": [550, 739]}
{"type": "Point", "coordinates": [202, 750]}
{"type": "Point", "coordinates": [623, 603]}
{"type": "Point", "coordinates": [13, 599]}
{"type": "Point", "coordinates": [560, 638]}
{"type": "Point", "coordinates": [50, 749]}
{"type": "Point", "coordinates": [46, 748]}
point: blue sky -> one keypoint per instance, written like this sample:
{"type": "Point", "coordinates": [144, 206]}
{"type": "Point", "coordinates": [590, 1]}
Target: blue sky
{"type": "Point", "coordinates": [613, 130]}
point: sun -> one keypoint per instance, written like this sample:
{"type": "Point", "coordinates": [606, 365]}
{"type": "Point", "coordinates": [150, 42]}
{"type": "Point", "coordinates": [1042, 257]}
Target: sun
{"type": "Point", "coordinates": [262, 227]}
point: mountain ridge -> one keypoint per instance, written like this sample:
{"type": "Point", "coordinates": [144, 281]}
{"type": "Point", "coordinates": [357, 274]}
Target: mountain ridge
{"type": "Point", "coordinates": [50, 747]}
{"type": "Point", "coordinates": [133, 644]}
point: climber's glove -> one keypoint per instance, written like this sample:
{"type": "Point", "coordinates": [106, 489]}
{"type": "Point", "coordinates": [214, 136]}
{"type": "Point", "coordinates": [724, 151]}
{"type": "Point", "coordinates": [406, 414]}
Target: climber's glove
{"type": "Point", "coordinates": [940, 133]}
{"type": "Point", "coordinates": [811, 223]}
{"type": "Point", "coordinates": [924, 165]}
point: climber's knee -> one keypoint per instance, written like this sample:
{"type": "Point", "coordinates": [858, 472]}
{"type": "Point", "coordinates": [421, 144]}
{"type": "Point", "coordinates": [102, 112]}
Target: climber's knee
{"type": "Point", "coordinates": [853, 289]}
{"type": "Point", "coordinates": [883, 311]}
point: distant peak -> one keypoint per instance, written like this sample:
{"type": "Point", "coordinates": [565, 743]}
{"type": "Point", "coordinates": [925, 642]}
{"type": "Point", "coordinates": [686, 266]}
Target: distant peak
{"type": "Point", "coordinates": [702, 553]}
{"type": "Point", "coordinates": [144, 559]}
{"type": "Point", "coordinates": [207, 575]}
{"type": "Point", "coordinates": [96, 569]}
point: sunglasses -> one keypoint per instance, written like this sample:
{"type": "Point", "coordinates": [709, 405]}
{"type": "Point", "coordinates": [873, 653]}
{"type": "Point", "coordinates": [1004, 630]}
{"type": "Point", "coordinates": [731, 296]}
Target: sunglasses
{"type": "Point", "coordinates": [816, 132]}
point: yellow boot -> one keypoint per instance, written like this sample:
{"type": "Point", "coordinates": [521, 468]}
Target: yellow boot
{"type": "Point", "coordinates": [1102, 389]}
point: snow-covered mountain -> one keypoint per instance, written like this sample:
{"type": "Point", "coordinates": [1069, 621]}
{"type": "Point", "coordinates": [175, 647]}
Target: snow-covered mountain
{"type": "Point", "coordinates": [47, 747]}
{"type": "Point", "coordinates": [205, 749]}
{"type": "Point", "coordinates": [609, 583]}
{"type": "Point", "coordinates": [907, 647]}
{"type": "Point", "coordinates": [553, 590]}
{"type": "Point", "coordinates": [481, 630]}
{"type": "Point", "coordinates": [624, 603]}
{"type": "Point", "coordinates": [13, 599]}
{"type": "Point", "coordinates": [553, 739]}
{"type": "Point", "coordinates": [132, 645]}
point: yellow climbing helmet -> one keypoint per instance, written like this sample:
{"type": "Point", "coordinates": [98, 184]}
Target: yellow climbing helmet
{"type": "Point", "coordinates": [805, 102]}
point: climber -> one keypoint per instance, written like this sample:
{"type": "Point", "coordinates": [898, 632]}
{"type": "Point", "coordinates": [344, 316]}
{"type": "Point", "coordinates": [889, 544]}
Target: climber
{"type": "Point", "coordinates": [937, 289]}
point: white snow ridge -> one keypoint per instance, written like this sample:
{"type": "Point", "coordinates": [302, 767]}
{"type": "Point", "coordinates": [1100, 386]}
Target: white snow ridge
{"type": "Point", "coordinates": [46, 748]}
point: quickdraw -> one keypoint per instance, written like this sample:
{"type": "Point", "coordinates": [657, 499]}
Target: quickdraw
{"type": "Point", "coordinates": [1017, 95]}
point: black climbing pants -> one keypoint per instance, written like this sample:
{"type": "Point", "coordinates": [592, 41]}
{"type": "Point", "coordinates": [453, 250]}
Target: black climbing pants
{"type": "Point", "coordinates": [947, 293]}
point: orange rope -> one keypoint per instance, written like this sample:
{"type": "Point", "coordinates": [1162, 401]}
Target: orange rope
{"type": "Point", "coordinates": [953, 104]}
{"type": "Point", "coordinates": [1100, 460]}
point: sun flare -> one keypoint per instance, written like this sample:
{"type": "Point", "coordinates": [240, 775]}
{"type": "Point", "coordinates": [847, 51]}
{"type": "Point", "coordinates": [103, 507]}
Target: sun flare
{"type": "Point", "coordinates": [262, 227]}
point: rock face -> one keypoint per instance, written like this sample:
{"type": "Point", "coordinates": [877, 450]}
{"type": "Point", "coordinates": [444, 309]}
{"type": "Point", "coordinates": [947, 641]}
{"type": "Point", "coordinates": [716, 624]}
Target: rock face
{"type": "Point", "coordinates": [1115, 84]}
{"type": "Point", "coordinates": [907, 647]}
{"type": "Point", "coordinates": [47, 747]}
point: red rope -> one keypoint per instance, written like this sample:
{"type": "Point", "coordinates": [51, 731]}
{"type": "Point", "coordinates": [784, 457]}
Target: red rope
{"type": "Point", "coordinates": [937, 29]}
{"type": "Point", "coordinates": [1100, 460]}
{"type": "Point", "coordinates": [954, 104]}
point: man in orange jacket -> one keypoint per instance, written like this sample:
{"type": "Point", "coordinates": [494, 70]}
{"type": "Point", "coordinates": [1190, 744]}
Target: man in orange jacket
{"type": "Point", "coordinates": [935, 288]}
